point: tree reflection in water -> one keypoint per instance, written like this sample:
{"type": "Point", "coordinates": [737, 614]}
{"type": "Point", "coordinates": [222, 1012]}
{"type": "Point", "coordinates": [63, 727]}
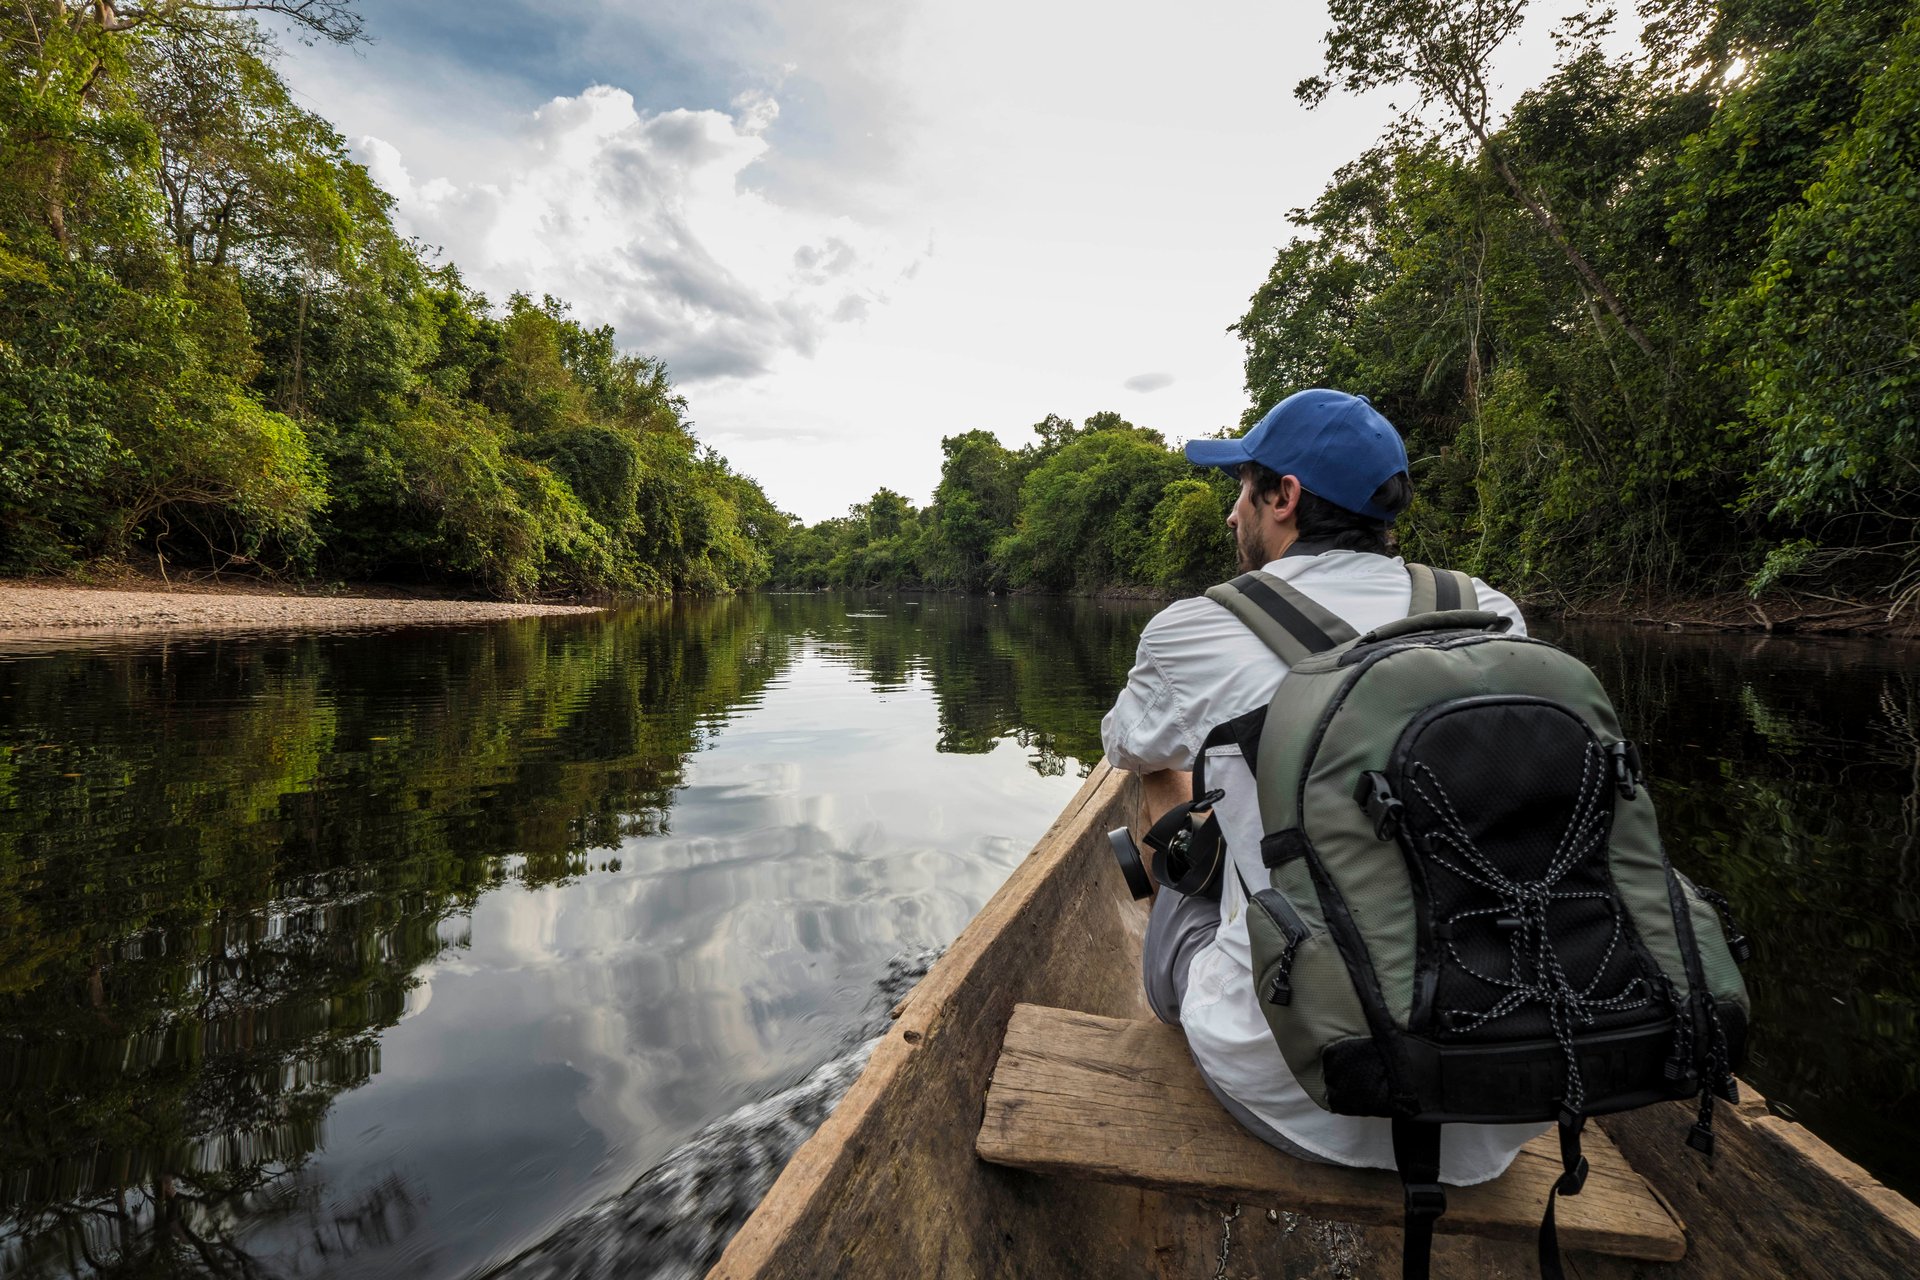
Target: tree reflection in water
{"type": "Point", "coordinates": [222, 862]}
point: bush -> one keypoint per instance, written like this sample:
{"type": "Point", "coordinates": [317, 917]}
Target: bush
{"type": "Point", "coordinates": [1193, 546]}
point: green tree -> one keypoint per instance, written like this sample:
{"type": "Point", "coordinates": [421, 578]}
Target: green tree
{"type": "Point", "coordinates": [1445, 49]}
{"type": "Point", "coordinates": [1086, 513]}
{"type": "Point", "coordinates": [215, 347]}
{"type": "Point", "coordinates": [1193, 549]}
{"type": "Point", "coordinates": [973, 508]}
{"type": "Point", "coordinates": [1834, 318]}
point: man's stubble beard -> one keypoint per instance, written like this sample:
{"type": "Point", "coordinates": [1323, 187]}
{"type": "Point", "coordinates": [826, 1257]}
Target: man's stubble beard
{"type": "Point", "coordinates": [1252, 548]}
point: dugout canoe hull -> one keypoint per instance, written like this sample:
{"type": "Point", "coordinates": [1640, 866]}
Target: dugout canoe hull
{"type": "Point", "coordinates": [890, 1185]}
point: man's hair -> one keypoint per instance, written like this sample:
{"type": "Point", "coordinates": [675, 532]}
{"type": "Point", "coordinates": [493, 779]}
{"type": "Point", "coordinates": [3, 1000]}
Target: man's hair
{"type": "Point", "coordinates": [1335, 527]}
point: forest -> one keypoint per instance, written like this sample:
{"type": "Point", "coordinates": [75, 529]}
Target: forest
{"type": "Point", "coordinates": [217, 353]}
{"type": "Point", "coordinates": [1654, 331]}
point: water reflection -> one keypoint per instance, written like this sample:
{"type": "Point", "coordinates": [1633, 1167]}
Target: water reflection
{"type": "Point", "coordinates": [1041, 672]}
{"type": "Point", "coordinates": [224, 863]}
{"type": "Point", "coordinates": [381, 955]}
{"type": "Point", "coordinates": [395, 948]}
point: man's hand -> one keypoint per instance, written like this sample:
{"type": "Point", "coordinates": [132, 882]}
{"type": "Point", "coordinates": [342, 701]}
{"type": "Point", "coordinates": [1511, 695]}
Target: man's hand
{"type": "Point", "coordinates": [1160, 792]}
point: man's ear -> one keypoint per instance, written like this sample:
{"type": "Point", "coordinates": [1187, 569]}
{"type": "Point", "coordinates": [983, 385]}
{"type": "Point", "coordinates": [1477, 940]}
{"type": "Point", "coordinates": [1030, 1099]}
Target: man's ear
{"type": "Point", "coordinates": [1286, 499]}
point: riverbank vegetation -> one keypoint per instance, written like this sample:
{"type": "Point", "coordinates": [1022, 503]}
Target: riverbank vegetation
{"type": "Point", "coordinates": [1655, 332]}
{"type": "Point", "coordinates": [217, 352]}
{"type": "Point", "coordinates": [1087, 507]}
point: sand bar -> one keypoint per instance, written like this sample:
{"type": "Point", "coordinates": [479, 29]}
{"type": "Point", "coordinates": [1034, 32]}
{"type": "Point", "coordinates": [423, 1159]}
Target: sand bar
{"type": "Point", "coordinates": [33, 610]}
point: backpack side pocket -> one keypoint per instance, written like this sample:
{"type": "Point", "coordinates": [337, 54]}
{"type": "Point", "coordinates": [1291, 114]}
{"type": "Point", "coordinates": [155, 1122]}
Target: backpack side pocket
{"type": "Point", "coordinates": [1302, 985]}
{"type": "Point", "coordinates": [1711, 936]}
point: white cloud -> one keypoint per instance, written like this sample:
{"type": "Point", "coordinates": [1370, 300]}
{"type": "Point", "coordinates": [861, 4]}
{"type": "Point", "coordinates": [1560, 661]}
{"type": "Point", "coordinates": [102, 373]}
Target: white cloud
{"type": "Point", "coordinates": [1106, 190]}
{"type": "Point", "coordinates": [641, 219]}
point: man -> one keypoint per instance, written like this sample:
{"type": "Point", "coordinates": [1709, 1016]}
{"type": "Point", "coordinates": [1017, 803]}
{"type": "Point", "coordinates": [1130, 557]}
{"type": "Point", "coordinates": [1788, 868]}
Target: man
{"type": "Point", "coordinates": [1322, 475]}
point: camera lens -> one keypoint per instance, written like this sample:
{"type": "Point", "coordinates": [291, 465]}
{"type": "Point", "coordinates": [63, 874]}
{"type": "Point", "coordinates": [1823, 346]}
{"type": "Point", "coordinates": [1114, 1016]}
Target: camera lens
{"type": "Point", "coordinates": [1127, 854]}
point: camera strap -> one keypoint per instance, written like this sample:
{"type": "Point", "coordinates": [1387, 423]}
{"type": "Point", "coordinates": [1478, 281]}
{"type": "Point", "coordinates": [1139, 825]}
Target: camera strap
{"type": "Point", "coordinates": [1190, 849]}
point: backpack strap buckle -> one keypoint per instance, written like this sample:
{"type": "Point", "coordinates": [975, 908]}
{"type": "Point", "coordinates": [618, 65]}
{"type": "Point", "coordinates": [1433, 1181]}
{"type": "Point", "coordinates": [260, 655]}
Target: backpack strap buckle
{"type": "Point", "coordinates": [1569, 1183]}
{"type": "Point", "coordinates": [1624, 758]}
{"type": "Point", "coordinates": [1426, 1200]}
{"type": "Point", "coordinates": [1384, 810]}
{"type": "Point", "coordinates": [1574, 1179]}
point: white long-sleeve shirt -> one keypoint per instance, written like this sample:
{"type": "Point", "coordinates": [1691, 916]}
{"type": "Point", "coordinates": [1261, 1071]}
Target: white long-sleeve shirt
{"type": "Point", "coordinates": [1198, 665]}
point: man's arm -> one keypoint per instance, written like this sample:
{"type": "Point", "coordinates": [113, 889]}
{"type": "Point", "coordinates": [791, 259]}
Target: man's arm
{"type": "Point", "coordinates": [1161, 791]}
{"type": "Point", "coordinates": [1144, 732]}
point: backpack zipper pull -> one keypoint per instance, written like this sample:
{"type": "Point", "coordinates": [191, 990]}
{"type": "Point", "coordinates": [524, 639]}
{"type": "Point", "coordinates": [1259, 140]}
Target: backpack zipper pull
{"type": "Point", "coordinates": [1374, 794]}
{"type": "Point", "coordinates": [1280, 990]}
{"type": "Point", "coordinates": [1737, 943]}
{"type": "Point", "coordinates": [1625, 759]}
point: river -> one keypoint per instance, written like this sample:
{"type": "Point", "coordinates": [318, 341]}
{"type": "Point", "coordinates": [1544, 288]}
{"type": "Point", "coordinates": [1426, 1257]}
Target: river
{"type": "Point", "coordinates": [389, 953]}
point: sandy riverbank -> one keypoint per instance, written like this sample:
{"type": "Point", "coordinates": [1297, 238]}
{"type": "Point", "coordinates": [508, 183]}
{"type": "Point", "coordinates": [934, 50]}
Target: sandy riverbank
{"type": "Point", "coordinates": [33, 610]}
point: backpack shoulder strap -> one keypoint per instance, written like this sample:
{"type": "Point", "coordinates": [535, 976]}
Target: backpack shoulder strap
{"type": "Point", "coordinates": [1285, 619]}
{"type": "Point", "coordinates": [1438, 590]}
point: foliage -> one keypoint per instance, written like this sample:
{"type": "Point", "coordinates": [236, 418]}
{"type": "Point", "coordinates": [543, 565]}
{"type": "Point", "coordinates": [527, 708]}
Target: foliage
{"type": "Point", "coordinates": [1656, 329]}
{"type": "Point", "coordinates": [1835, 313]}
{"type": "Point", "coordinates": [1086, 512]}
{"type": "Point", "coordinates": [215, 349]}
{"type": "Point", "coordinates": [974, 506]}
{"type": "Point", "coordinates": [1190, 538]}
{"type": "Point", "coordinates": [1089, 506]}
{"type": "Point", "coordinates": [1739, 195]}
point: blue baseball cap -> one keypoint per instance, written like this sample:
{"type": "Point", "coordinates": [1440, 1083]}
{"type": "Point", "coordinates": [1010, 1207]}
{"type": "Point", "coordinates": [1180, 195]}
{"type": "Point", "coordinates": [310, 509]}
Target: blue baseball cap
{"type": "Point", "coordinates": [1337, 444]}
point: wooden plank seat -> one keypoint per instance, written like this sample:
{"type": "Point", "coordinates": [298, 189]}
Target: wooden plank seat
{"type": "Point", "coordinates": [1119, 1101]}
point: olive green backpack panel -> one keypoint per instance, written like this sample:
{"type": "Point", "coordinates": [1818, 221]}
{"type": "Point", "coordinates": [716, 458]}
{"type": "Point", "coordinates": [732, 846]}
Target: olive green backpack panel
{"type": "Point", "coordinates": [1287, 736]}
{"type": "Point", "coordinates": [1639, 867]}
{"type": "Point", "coordinates": [1324, 1008]}
{"type": "Point", "coordinates": [1717, 965]}
{"type": "Point", "coordinates": [1369, 874]}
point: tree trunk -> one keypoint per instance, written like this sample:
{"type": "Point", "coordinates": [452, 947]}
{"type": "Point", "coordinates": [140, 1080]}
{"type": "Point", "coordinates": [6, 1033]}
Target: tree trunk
{"type": "Point", "coordinates": [1600, 331]}
{"type": "Point", "coordinates": [299, 351]}
{"type": "Point", "coordinates": [1475, 371]}
{"type": "Point", "coordinates": [57, 204]}
{"type": "Point", "coordinates": [221, 226]}
{"type": "Point", "coordinates": [1551, 225]}
{"type": "Point", "coordinates": [56, 199]}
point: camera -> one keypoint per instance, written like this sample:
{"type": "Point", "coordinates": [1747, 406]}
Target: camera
{"type": "Point", "coordinates": [1187, 840]}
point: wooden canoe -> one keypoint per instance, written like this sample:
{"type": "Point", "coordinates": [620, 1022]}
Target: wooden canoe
{"type": "Point", "coordinates": [891, 1185]}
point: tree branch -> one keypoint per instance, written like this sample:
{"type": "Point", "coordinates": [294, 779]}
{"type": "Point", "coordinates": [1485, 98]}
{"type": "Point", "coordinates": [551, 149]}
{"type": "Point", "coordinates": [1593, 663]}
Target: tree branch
{"type": "Point", "coordinates": [333, 20]}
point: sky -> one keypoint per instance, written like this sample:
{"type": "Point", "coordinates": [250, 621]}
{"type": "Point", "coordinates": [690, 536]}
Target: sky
{"type": "Point", "coordinates": [851, 229]}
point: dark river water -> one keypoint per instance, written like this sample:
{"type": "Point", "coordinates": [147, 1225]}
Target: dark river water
{"type": "Point", "coordinates": [388, 954]}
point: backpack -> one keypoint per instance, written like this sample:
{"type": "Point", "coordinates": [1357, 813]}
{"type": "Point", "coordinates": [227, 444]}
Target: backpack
{"type": "Point", "coordinates": [1469, 916]}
